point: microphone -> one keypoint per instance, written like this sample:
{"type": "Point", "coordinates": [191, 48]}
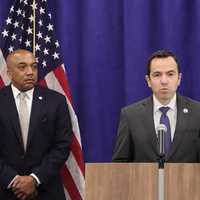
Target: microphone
{"type": "Point", "coordinates": [161, 130]}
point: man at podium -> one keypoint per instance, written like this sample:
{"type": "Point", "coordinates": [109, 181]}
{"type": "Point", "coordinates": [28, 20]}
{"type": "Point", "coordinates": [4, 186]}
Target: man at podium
{"type": "Point", "coordinates": [137, 139]}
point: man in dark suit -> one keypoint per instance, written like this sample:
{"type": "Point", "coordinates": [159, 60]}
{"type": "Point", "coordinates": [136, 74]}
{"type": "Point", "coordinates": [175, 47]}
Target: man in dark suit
{"type": "Point", "coordinates": [137, 136]}
{"type": "Point", "coordinates": [31, 158]}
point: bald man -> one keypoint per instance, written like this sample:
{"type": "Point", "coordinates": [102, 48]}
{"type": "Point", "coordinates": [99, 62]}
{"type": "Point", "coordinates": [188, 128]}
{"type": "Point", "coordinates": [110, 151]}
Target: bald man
{"type": "Point", "coordinates": [32, 148]}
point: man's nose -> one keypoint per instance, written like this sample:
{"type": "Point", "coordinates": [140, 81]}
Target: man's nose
{"type": "Point", "coordinates": [29, 70]}
{"type": "Point", "coordinates": [164, 79]}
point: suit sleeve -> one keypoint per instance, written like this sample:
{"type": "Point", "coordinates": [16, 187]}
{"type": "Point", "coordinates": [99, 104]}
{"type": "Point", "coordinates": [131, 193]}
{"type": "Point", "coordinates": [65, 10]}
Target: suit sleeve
{"type": "Point", "coordinates": [7, 173]}
{"type": "Point", "coordinates": [59, 150]}
{"type": "Point", "coordinates": [198, 147]}
{"type": "Point", "coordinates": [123, 147]}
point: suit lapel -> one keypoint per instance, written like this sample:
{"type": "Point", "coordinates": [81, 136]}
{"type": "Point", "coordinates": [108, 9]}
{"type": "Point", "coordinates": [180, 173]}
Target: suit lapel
{"type": "Point", "coordinates": [13, 114]}
{"type": "Point", "coordinates": [181, 124]}
{"type": "Point", "coordinates": [36, 112]}
{"type": "Point", "coordinates": [149, 123]}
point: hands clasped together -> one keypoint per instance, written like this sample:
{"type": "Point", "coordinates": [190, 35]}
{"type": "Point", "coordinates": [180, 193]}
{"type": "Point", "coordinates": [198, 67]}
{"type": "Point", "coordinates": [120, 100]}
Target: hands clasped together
{"type": "Point", "coordinates": [24, 187]}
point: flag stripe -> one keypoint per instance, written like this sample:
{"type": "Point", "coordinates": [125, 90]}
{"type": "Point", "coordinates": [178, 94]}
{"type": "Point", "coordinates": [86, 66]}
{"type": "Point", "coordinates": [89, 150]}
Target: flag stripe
{"type": "Point", "coordinates": [1, 83]}
{"type": "Point", "coordinates": [70, 185]}
{"type": "Point", "coordinates": [60, 74]}
{"type": "Point", "coordinates": [67, 194]}
{"type": "Point", "coordinates": [78, 154]}
{"type": "Point", "coordinates": [3, 71]}
{"type": "Point", "coordinates": [43, 83]}
{"type": "Point", "coordinates": [76, 174]}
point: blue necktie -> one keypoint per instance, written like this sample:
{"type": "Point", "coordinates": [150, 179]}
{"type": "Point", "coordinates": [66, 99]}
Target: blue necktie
{"type": "Point", "coordinates": [165, 120]}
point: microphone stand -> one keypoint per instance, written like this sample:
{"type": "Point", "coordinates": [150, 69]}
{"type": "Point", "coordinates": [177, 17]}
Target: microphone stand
{"type": "Point", "coordinates": [161, 162]}
{"type": "Point", "coordinates": [161, 177]}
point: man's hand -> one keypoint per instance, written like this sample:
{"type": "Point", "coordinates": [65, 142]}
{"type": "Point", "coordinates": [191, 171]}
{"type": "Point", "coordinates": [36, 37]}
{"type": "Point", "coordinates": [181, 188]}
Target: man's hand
{"type": "Point", "coordinates": [24, 187]}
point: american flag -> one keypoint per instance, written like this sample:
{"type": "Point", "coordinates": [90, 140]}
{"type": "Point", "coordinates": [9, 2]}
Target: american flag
{"type": "Point", "coordinates": [18, 33]}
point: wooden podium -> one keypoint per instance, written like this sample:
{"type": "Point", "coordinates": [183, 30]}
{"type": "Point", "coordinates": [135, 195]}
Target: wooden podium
{"type": "Point", "coordinates": [139, 181]}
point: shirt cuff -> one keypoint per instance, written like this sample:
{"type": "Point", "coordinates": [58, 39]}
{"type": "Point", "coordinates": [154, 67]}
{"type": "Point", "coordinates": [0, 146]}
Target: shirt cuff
{"type": "Point", "coordinates": [36, 178]}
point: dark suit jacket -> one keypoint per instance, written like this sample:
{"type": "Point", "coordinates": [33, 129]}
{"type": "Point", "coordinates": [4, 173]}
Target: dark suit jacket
{"type": "Point", "coordinates": [137, 140]}
{"type": "Point", "coordinates": [47, 147]}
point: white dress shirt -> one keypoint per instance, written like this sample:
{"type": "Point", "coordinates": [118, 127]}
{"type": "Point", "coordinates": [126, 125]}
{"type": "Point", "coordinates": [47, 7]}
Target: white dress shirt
{"type": "Point", "coordinates": [172, 113]}
{"type": "Point", "coordinates": [29, 99]}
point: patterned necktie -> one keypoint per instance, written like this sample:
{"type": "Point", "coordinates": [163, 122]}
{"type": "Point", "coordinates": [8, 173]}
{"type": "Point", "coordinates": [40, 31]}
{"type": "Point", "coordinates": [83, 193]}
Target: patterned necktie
{"type": "Point", "coordinates": [23, 117]}
{"type": "Point", "coordinates": [165, 120]}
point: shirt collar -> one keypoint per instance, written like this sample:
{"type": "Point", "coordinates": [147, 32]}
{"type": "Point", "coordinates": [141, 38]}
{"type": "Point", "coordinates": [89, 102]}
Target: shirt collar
{"type": "Point", "coordinates": [157, 104]}
{"type": "Point", "coordinates": [16, 91]}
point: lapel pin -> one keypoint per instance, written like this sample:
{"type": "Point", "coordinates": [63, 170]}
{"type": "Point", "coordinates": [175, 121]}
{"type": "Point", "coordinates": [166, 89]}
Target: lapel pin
{"type": "Point", "coordinates": [185, 110]}
{"type": "Point", "coordinates": [40, 98]}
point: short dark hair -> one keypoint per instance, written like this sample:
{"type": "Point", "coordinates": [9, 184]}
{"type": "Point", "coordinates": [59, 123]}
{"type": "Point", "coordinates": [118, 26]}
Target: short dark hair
{"type": "Point", "coordinates": [161, 54]}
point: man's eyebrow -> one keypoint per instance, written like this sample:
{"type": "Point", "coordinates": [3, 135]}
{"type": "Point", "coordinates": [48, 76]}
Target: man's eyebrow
{"type": "Point", "coordinates": [26, 63]}
{"type": "Point", "coordinates": [157, 71]}
{"type": "Point", "coordinates": [21, 63]}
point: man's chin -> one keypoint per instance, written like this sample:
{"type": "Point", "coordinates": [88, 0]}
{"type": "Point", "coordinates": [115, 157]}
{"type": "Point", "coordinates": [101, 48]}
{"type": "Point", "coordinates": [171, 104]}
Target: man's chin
{"type": "Point", "coordinates": [28, 87]}
{"type": "Point", "coordinates": [165, 97]}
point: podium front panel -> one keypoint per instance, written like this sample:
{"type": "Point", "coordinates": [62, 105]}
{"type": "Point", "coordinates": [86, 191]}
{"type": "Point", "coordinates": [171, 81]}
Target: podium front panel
{"type": "Point", "coordinates": [121, 181]}
{"type": "Point", "coordinates": [182, 181]}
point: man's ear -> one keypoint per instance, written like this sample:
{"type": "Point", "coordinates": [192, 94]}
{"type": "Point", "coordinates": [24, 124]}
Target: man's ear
{"type": "Point", "coordinates": [9, 74]}
{"type": "Point", "coordinates": [148, 80]}
{"type": "Point", "coordinates": [179, 78]}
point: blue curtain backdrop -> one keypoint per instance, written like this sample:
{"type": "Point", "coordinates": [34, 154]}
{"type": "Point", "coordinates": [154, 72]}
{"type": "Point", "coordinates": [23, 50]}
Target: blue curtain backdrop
{"type": "Point", "coordinates": [106, 44]}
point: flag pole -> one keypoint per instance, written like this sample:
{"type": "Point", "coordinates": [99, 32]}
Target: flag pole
{"type": "Point", "coordinates": [34, 19]}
